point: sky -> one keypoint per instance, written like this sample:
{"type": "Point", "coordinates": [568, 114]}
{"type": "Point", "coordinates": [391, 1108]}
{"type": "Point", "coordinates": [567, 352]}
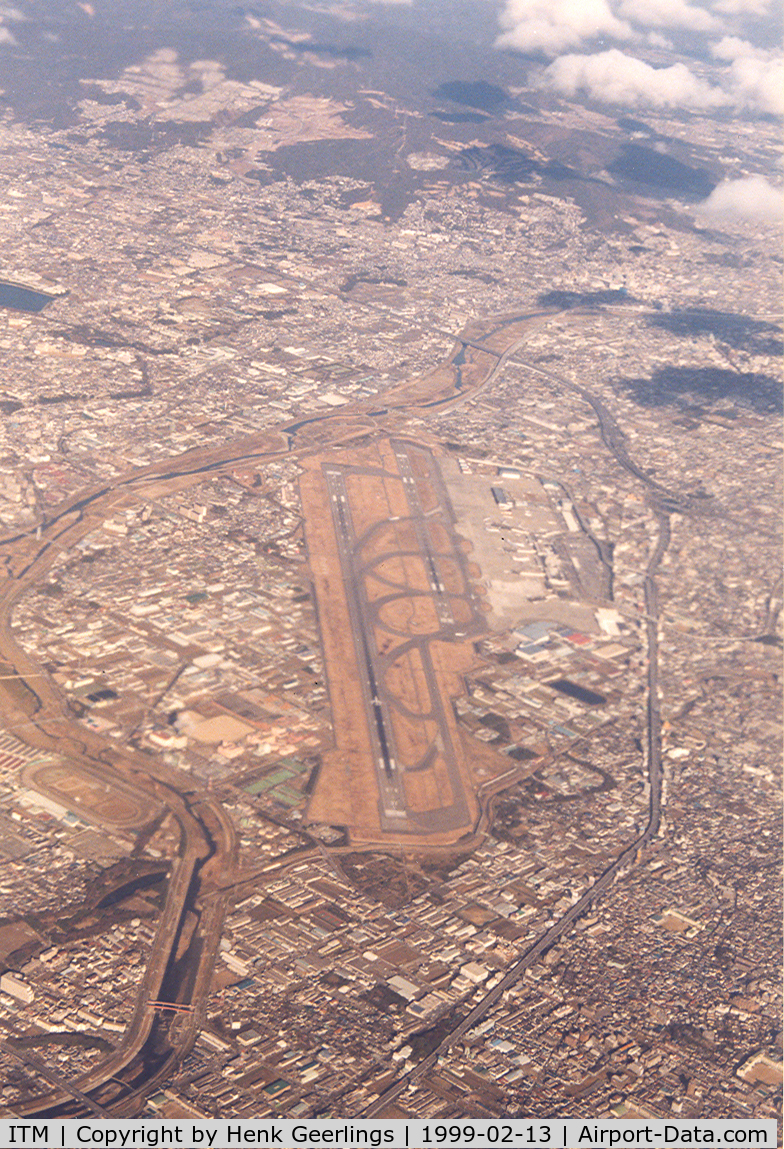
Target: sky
{"type": "Point", "coordinates": [701, 56]}
{"type": "Point", "coordinates": [611, 50]}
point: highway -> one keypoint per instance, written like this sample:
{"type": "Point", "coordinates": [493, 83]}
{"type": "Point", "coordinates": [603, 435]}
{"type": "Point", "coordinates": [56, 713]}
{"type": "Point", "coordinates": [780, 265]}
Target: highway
{"type": "Point", "coordinates": [53, 728]}
{"type": "Point", "coordinates": [195, 847]}
{"type": "Point", "coordinates": [662, 498]}
{"type": "Point", "coordinates": [25, 558]}
{"type": "Point", "coordinates": [208, 845]}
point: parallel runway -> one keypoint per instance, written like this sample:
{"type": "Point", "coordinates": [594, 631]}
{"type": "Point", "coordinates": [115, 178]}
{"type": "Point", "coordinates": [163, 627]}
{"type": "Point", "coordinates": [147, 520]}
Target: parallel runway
{"type": "Point", "coordinates": [392, 800]}
{"type": "Point", "coordinates": [394, 621]}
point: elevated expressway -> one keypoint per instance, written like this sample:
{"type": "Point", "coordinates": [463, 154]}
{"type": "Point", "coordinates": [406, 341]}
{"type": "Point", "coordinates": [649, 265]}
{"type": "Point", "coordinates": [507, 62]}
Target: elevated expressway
{"type": "Point", "coordinates": [201, 874]}
{"type": "Point", "coordinates": [200, 881]}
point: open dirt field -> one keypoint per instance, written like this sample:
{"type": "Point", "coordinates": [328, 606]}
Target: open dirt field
{"type": "Point", "coordinates": [107, 802]}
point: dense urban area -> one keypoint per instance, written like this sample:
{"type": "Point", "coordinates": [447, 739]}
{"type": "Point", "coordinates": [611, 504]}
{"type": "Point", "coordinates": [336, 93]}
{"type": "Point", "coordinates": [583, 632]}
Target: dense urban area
{"type": "Point", "coordinates": [390, 584]}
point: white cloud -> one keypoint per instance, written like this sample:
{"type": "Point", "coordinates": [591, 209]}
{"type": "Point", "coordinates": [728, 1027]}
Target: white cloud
{"type": "Point", "coordinates": [742, 7]}
{"type": "Point", "coordinates": [668, 14]}
{"type": "Point", "coordinates": [758, 84]}
{"type": "Point", "coordinates": [747, 77]}
{"type": "Point", "coordinates": [616, 78]}
{"type": "Point", "coordinates": [755, 77]}
{"type": "Point", "coordinates": [730, 47]}
{"type": "Point", "coordinates": [656, 40]}
{"type": "Point", "coordinates": [552, 25]}
{"type": "Point", "coordinates": [7, 37]}
{"type": "Point", "coordinates": [749, 198]}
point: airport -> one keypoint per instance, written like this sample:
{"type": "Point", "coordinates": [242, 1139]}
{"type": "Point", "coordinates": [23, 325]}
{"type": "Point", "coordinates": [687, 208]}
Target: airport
{"type": "Point", "coordinates": [402, 600]}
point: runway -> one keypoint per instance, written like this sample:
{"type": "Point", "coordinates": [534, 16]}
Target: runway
{"type": "Point", "coordinates": [404, 601]}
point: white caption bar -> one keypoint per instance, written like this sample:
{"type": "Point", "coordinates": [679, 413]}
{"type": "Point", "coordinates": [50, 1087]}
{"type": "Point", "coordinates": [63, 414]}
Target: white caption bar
{"type": "Point", "coordinates": [526, 1133]}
